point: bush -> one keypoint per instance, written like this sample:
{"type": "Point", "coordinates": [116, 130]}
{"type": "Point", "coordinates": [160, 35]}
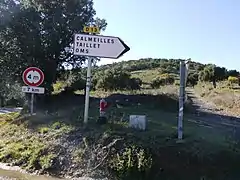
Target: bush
{"type": "Point", "coordinates": [115, 79]}
{"type": "Point", "coordinates": [131, 159]}
{"type": "Point", "coordinates": [164, 79]}
{"type": "Point", "coordinates": [75, 82]}
{"type": "Point", "coordinates": [232, 79]}
{"type": "Point", "coordinates": [78, 84]}
{"type": "Point", "coordinates": [192, 79]}
{"type": "Point", "coordinates": [156, 83]}
{"type": "Point", "coordinates": [59, 86]}
{"type": "Point", "coordinates": [135, 83]}
{"type": "Point", "coordinates": [11, 93]}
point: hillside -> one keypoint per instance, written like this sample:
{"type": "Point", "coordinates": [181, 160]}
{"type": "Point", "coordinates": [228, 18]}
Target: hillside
{"type": "Point", "coordinates": [151, 73]}
{"type": "Point", "coordinates": [55, 141]}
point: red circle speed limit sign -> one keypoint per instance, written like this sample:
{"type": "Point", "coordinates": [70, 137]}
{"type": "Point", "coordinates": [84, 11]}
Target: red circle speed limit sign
{"type": "Point", "coordinates": [33, 76]}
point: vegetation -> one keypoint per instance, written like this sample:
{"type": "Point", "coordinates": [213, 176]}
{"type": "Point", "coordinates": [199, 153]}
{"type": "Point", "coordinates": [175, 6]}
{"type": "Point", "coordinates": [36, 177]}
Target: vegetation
{"type": "Point", "coordinates": [115, 79]}
{"type": "Point", "coordinates": [225, 98]}
{"type": "Point", "coordinates": [40, 33]}
{"type": "Point", "coordinates": [58, 143]}
{"type": "Point", "coordinates": [163, 79]}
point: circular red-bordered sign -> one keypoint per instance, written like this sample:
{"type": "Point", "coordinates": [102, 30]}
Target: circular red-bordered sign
{"type": "Point", "coordinates": [33, 76]}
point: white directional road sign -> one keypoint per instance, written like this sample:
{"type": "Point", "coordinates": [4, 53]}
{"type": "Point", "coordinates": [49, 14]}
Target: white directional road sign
{"type": "Point", "coordinates": [34, 90]}
{"type": "Point", "coordinates": [99, 46]}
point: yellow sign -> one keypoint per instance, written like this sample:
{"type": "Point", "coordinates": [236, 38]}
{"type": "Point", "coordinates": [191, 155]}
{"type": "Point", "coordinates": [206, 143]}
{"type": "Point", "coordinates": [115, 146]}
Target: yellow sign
{"type": "Point", "coordinates": [92, 29]}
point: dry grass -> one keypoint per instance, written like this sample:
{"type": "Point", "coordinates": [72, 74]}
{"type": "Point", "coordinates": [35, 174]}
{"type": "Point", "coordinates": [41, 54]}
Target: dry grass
{"type": "Point", "coordinates": [148, 75]}
{"type": "Point", "coordinates": [169, 89]}
{"type": "Point", "coordinates": [189, 160]}
{"type": "Point", "coordinates": [223, 97]}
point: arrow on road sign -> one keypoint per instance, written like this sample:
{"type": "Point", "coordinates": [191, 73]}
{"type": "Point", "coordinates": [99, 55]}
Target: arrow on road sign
{"type": "Point", "coordinates": [99, 46]}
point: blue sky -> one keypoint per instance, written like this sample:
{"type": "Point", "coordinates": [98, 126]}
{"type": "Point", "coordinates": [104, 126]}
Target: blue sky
{"type": "Point", "coordinates": [206, 31]}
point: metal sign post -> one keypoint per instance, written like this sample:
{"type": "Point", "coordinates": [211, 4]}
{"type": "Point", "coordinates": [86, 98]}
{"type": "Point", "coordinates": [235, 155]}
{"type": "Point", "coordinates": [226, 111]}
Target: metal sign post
{"type": "Point", "coordinates": [96, 46]}
{"type": "Point", "coordinates": [181, 99]}
{"type": "Point", "coordinates": [90, 30]}
{"type": "Point", "coordinates": [88, 84]}
{"type": "Point", "coordinates": [32, 104]}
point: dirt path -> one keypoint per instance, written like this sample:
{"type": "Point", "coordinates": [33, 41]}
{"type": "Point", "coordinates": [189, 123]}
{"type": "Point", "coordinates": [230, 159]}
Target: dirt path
{"type": "Point", "coordinates": [209, 114]}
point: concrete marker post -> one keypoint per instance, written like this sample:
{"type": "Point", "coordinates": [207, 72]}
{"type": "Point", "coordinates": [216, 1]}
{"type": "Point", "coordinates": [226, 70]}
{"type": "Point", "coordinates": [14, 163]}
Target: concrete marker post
{"type": "Point", "coordinates": [181, 99]}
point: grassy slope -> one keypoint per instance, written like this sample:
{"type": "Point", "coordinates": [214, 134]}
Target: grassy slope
{"type": "Point", "coordinates": [55, 142]}
{"type": "Point", "coordinates": [223, 97]}
{"type": "Point", "coordinates": [148, 75]}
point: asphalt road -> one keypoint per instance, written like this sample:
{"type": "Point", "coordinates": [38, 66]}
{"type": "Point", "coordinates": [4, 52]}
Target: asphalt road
{"type": "Point", "coordinates": [9, 110]}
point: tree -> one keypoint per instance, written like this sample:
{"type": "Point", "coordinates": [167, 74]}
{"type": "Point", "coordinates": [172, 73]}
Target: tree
{"type": "Point", "coordinates": [220, 73]}
{"type": "Point", "coordinates": [206, 74]}
{"type": "Point", "coordinates": [232, 73]}
{"type": "Point", "coordinates": [163, 79]}
{"type": "Point", "coordinates": [115, 79]}
{"type": "Point", "coordinates": [192, 79]}
{"type": "Point", "coordinates": [34, 32]}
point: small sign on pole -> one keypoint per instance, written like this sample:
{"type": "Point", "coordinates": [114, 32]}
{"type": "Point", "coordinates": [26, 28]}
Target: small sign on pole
{"type": "Point", "coordinates": [91, 29]}
{"type": "Point", "coordinates": [33, 77]}
{"type": "Point", "coordinates": [34, 90]}
{"type": "Point", "coordinates": [96, 46]}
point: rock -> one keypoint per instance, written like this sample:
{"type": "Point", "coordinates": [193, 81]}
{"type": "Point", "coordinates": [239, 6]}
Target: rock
{"type": "Point", "coordinates": [137, 121]}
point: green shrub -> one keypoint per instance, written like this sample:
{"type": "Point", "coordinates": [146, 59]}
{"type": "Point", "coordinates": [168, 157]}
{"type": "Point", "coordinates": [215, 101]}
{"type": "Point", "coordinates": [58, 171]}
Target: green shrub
{"type": "Point", "coordinates": [59, 86]}
{"type": "Point", "coordinates": [115, 79]}
{"type": "Point", "coordinates": [232, 79]}
{"type": "Point", "coordinates": [44, 130]}
{"type": "Point", "coordinates": [132, 159]}
{"type": "Point", "coordinates": [163, 79]}
{"type": "Point", "coordinates": [135, 83]}
{"type": "Point", "coordinates": [11, 93]}
{"type": "Point", "coordinates": [192, 79]}
{"type": "Point", "coordinates": [46, 161]}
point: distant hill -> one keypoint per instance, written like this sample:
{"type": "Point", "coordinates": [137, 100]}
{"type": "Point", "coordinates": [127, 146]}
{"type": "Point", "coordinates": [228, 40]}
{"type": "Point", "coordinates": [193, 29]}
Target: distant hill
{"type": "Point", "coordinates": [163, 65]}
{"type": "Point", "coordinates": [168, 65]}
{"type": "Point", "coordinates": [148, 68]}
{"type": "Point", "coordinates": [150, 72]}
